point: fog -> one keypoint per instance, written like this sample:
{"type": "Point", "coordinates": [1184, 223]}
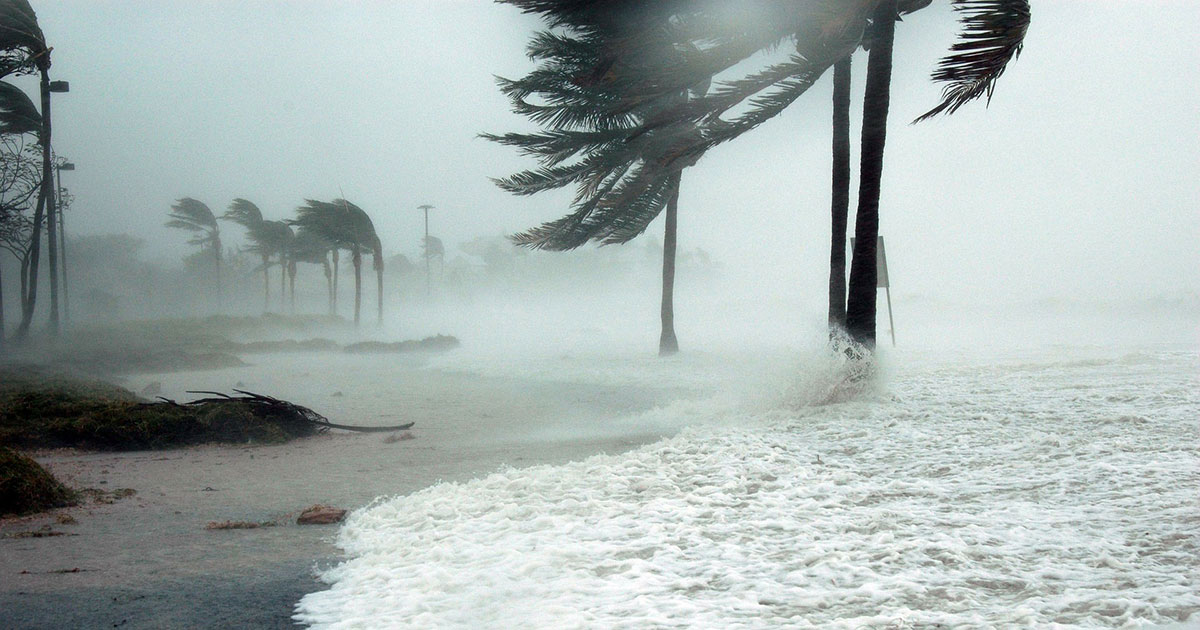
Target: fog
{"type": "Point", "coordinates": [1076, 184]}
{"type": "Point", "coordinates": [1023, 454]}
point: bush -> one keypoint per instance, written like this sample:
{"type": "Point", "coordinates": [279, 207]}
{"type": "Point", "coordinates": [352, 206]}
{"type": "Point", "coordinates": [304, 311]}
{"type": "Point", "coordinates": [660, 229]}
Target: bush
{"type": "Point", "coordinates": [26, 487]}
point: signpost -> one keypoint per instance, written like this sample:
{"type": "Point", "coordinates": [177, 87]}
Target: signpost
{"type": "Point", "coordinates": [881, 282]}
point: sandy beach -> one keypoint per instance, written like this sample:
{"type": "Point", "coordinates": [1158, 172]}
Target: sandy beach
{"type": "Point", "coordinates": [147, 561]}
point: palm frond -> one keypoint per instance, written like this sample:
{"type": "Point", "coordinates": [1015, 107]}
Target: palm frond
{"type": "Point", "coordinates": [244, 213]}
{"type": "Point", "coordinates": [992, 35]}
{"type": "Point", "coordinates": [193, 215]}
{"type": "Point", "coordinates": [22, 43]}
{"type": "Point", "coordinates": [17, 113]}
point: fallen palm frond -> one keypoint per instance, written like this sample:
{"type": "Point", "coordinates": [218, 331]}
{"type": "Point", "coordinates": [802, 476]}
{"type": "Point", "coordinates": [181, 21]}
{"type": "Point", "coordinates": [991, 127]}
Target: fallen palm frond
{"type": "Point", "coordinates": [274, 407]}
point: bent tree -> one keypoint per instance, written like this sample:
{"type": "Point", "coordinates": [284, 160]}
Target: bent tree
{"type": "Point", "coordinates": [709, 39]}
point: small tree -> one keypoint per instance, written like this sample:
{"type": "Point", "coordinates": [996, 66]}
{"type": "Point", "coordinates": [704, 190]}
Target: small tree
{"type": "Point", "coordinates": [194, 216]}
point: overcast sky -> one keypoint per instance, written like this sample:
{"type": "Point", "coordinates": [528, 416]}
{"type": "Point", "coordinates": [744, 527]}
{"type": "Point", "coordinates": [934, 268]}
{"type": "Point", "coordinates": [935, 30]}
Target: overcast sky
{"type": "Point", "coordinates": [1079, 180]}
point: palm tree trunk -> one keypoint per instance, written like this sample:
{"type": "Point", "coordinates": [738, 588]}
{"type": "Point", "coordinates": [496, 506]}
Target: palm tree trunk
{"type": "Point", "coordinates": [282, 281]}
{"type": "Point", "coordinates": [667, 343]}
{"type": "Point", "coordinates": [29, 278]}
{"type": "Point", "coordinates": [2, 327]}
{"type": "Point", "coordinates": [217, 251]}
{"type": "Point", "coordinates": [328, 284]}
{"type": "Point", "coordinates": [266, 284]}
{"type": "Point", "coordinates": [333, 302]}
{"type": "Point", "coordinates": [379, 286]}
{"type": "Point", "coordinates": [292, 284]}
{"type": "Point", "coordinates": [840, 206]}
{"type": "Point", "coordinates": [357, 260]}
{"type": "Point", "coordinates": [860, 311]}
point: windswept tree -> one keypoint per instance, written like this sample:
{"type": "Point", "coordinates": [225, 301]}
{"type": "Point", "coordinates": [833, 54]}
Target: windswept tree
{"type": "Point", "coordinates": [366, 238]}
{"type": "Point", "coordinates": [268, 239]}
{"type": "Point", "coordinates": [194, 216]}
{"type": "Point", "coordinates": [620, 75]}
{"type": "Point", "coordinates": [569, 94]}
{"type": "Point", "coordinates": [18, 179]}
{"type": "Point", "coordinates": [23, 50]}
{"type": "Point", "coordinates": [309, 248]}
{"type": "Point", "coordinates": [247, 215]}
{"type": "Point", "coordinates": [348, 227]}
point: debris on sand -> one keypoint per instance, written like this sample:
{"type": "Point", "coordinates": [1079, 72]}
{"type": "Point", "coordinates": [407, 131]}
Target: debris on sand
{"type": "Point", "coordinates": [428, 344]}
{"type": "Point", "coordinates": [239, 524]}
{"type": "Point", "coordinates": [321, 515]}
{"type": "Point", "coordinates": [26, 487]}
{"type": "Point", "coordinates": [399, 437]}
{"type": "Point", "coordinates": [44, 532]}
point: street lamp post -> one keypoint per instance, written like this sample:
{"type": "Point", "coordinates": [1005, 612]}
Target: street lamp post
{"type": "Point", "coordinates": [49, 87]}
{"type": "Point", "coordinates": [425, 251]}
{"type": "Point", "coordinates": [62, 238]}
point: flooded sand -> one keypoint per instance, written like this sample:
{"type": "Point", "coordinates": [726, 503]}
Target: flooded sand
{"type": "Point", "coordinates": [147, 562]}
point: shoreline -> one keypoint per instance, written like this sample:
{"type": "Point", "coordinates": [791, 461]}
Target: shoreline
{"type": "Point", "coordinates": [146, 561]}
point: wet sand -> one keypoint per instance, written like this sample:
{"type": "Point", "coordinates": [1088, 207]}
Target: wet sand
{"type": "Point", "coordinates": [147, 561]}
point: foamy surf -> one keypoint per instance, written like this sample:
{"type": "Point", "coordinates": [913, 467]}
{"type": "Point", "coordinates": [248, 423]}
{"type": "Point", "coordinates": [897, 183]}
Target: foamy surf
{"type": "Point", "coordinates": [1053, 493]}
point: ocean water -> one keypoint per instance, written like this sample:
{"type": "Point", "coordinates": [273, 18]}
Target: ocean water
{"type": "Point", "coordinates": [1048, 488]}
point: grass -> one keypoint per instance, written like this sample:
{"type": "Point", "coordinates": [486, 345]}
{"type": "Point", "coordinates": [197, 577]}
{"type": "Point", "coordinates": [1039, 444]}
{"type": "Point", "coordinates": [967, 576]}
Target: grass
{"type": "Point", "coordinates": [40, 409]}
{"type": "Point", "coordinates": [26, 487]}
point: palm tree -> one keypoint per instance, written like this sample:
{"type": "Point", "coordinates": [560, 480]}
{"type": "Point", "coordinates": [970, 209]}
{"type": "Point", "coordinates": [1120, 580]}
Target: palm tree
{"type": "Point", "coordinates": [18, 116]}
{"type": "Point", "coordinates": [364, 237]}
{"type": "Point", "coordinates": [840, 197]}
{"type": "Point", "coordinates": [23, 50]}
{"type": "Point", "coordinates": [307, 247]}
{"type": "Point", "coordinates": [860, 303]}
{"type": "Point", "coordinates": [194, 216]}
{"type": "Point", "coordinates": [617, 76]}
{"type": "Point", "coordinates": [618, 194]}
{"type": "Point", "coordinates": [247, 215]}
{"type": "Point", "coordinates": [277, 236]}
{"type": "Point", "coordinates": [346, 226]}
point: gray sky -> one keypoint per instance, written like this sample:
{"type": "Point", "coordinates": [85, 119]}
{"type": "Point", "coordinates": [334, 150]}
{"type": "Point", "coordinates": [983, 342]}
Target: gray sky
{"type": "Point", "coordinates": [1080, 179]}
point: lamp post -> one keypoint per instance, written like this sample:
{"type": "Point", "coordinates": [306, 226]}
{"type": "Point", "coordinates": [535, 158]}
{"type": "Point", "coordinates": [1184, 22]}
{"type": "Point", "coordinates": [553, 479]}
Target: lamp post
{"type": "Point", "coordinates": [425, 247]}
{"type": "Point", "coordinates": [62, 239]}
{"type": "Point", "coordinates": [49, 87]}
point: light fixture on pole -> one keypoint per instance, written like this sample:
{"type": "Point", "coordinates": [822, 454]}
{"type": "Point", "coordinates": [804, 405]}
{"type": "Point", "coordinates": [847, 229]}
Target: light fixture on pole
{"type": "Point", "coordinates": [425, 245]}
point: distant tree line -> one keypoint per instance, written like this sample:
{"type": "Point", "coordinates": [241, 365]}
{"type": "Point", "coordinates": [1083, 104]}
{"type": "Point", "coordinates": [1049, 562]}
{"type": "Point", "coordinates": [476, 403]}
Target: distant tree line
{"type": "Point", "coordinates": [315, 235]}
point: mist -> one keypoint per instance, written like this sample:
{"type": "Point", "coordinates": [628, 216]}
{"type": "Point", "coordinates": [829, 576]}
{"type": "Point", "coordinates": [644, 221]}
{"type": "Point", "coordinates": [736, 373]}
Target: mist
{"type": "Point", "coordinates": [492, 434]}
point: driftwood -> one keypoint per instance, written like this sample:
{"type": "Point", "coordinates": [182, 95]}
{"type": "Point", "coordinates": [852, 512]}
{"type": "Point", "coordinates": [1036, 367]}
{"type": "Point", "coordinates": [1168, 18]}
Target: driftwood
{"type": "Point", "coordinates": [271, 405]}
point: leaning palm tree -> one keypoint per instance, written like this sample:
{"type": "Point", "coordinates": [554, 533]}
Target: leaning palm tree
{"type": "Point", "coordinates": [277, 236]}
{"type": "Point", "coordinates": [195, 217]}
{"type": "Point", "coordinates": [345, 226]}
{"type": "Point", "coordinates": [364, 238]}
{"type": "Point", "coordinates": [23, 50]}
{"type": "Point", "coordinates": [607, 208]}
{"type": "Point", "coordinates": [18, 116]}
{"type": "Point", "coordinates": [309, 248]}
{"type": "Point", "coordinates": [611, 47]}
{"type": "Point", "coordinates": [247, 215]}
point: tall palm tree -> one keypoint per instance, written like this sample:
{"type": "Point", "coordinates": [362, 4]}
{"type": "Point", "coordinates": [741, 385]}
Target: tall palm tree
{"type": "Point", "coordinates": [23, 50]}
{"type": "Point", "coordinates": [277, 237]}
{"type": "Point", "coordinates": [860, 303]}
{"type": "Point", "coordinates": [348, 227]}
{"type": "Point", "coordinates": [840, 197]}
{"type": "Point", "coordinates": [616, 45]}
{"type": "Point", "coordinates": [18, 116]}
{"type": "Point", "coordinates": [196, 217]}
{"type": "Point", "coordinates": [615, 202]}
{"type": "Point", "coordinates": [247, 215]}
{"type": "Point", "coordinates": [307, 247]}
{"type": "Point", "coordinates": [365, 238]}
